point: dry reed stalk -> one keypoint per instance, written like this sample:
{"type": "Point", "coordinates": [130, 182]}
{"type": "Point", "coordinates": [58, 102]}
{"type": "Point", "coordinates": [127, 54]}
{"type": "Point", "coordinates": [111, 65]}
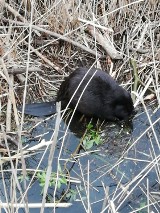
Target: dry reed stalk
{"type": "Point", "coordinates": [35, 205]}
{"type": "Point", "coordinates": [135, 32]}
{"type": "Point", "coordinates": [50, 158]}
{"type": "Point", "coordinates": [11, 92]}
{"type": "Point", "coordinates": [9, 109]}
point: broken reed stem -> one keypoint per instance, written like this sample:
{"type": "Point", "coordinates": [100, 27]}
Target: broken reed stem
{"type": "Point", "coordinates": [9, 109]}
{"type": "Point", "coordinates": [137, 80]}
{"type": "Point", "coordinates": [11, 92]}
{"type": "Point", "coordinates": [51, 155]}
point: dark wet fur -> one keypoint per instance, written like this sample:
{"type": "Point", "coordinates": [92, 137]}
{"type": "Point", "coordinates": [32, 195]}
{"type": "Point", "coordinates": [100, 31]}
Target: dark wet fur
{"type": "Point", "coordinates": [103, 98]}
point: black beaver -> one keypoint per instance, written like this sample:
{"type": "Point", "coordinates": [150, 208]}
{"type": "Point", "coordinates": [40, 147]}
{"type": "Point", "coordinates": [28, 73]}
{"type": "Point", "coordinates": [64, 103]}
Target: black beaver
{"type": "Point", "coordinates": [96, 93]}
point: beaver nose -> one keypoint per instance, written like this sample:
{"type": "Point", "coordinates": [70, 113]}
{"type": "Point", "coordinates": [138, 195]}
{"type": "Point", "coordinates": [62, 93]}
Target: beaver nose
{"type": "Point", "coordinates": [134, 112]}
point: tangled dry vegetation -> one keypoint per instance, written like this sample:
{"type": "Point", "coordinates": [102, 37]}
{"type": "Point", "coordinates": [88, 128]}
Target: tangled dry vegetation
{"type": "Point", "coordinates": [43, 41]}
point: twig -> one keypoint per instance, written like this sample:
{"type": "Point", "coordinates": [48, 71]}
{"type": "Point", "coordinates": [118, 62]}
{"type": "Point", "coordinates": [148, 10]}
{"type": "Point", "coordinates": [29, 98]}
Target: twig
{"type": "Point", "coordinates": [96, 25]}
{"type": "Point", "coordinates": [20, 70]}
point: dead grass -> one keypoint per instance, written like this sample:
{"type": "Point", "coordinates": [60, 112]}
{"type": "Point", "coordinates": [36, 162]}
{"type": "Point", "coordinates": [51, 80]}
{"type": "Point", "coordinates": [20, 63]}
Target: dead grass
{"type": "Point", "coordinates": [43, 41]}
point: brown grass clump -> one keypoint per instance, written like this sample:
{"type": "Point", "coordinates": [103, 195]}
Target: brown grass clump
{"type": "Point", "coordinates": [43, 41]}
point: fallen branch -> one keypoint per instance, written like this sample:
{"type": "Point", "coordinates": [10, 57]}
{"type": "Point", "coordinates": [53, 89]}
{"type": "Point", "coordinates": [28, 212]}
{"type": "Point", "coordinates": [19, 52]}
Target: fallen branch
{"type": "Point", "coordinates": [61, 37]}
{"type": "Point", "coordinates": [104, 42]}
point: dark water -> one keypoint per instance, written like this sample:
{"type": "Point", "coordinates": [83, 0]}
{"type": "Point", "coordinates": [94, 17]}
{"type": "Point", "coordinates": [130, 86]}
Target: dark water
{"type": "Point", "coordinates": [111, 166]}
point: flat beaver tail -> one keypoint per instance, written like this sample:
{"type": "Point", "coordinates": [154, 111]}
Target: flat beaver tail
{"type": "Point", "coordinates": [39, 109]}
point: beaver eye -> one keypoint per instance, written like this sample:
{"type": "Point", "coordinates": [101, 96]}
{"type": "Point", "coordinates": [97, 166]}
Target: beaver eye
{"type": "Point", "coordinates": [119, 108]}
{"type": "Point", "coordinates": [121, 112]}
